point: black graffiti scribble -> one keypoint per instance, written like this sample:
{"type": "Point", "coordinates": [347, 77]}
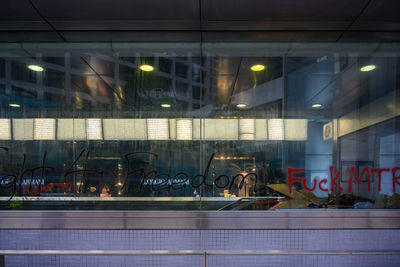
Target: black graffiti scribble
{"type": "Point", "coordinates": [83, 171]}
{"type": "Point", "coordinates": [156, 181]}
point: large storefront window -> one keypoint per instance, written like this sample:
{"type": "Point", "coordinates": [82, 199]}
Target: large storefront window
{"type": "Point", "coordinates": [211, 126]}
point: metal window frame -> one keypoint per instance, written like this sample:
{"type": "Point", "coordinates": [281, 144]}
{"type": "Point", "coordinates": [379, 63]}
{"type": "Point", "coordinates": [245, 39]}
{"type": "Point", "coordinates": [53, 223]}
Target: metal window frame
{"type": "Point", "coordinates": [201, 220]}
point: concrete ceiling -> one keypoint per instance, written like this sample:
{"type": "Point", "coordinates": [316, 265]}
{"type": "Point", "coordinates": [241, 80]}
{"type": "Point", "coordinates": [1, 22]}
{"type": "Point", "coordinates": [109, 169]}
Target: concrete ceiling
{"type": "Point", "coordinates": [259, 20]}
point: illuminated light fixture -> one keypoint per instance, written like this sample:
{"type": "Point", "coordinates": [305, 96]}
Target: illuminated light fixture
{"type": "Point", "coordinates": [71, 129]}
{"type": "Point", "coordinates": [35, 68]}
{"type": "Point", "coordinates": [257, 67]}
{"type": "Point", "coordinates": [157, 129]}
{"type": "Point", "coordinates": [241, 105]}
{"type": "Point", "coordinates": [275, 129]}
{"type": "Point", "coordinates": [184, 129]}
{"type": "Point", "coordinates": [22, 129]}
{"type": "Point", "coordinates": [165, 105]}
{"type": "Point", "coordinates": [5, 129]}
{"type": "Point", "coordinates": [146, 68]}
{"type": "Point", "coordinates": [295, 129]}
{"type": "Point", "coordinates": [15, 105]}
{"type": "Point", "coordinates": [368, 68]}
{"type": "Point", "coordinates": [247, 129]}
{"type": "Point", "coordinates": [93, 129]}
{"type": "Point", "coordinates": [124, 129]}
{"type": "Point", "coordinates": [44, 129]}
{"type": "Point", "coordinates": [220, 129]}
{"type": "Point", "coordinates": [316, 105]}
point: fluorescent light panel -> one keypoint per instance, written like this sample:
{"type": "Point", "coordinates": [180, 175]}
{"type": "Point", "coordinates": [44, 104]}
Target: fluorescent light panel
{"type": "Point", "coordinates": [93, 129]}
{"type": "Point", "coordinates": [275, 129]}
{"type": "Point", "coordinates": [124, 129]}
{"type": "Point", "coordinates": [157, 129]}
{"type": "Point", "coordinates": [22, 129]}
{"type": "Point", "coordinates": [184, 129]}
{"type": "Point", "coordinates": [220, 129]}
{"type": "Point", "coordinates": [295, 129]}
{"type": "Point", "coordinates": [71, 129]}
{"type": "Point", "coordinates": [44, 129]}
{"type": "Point", "coordinates": [5, 129]}
{"type": "Point", "coordinates": [154, 129]}
{"type": "Point", "coordinates": [247, 129]}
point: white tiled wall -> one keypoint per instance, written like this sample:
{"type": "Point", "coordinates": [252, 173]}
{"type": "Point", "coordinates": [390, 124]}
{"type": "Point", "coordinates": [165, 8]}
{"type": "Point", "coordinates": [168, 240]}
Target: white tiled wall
{"type": "Point", "coordinates": [343, 240]}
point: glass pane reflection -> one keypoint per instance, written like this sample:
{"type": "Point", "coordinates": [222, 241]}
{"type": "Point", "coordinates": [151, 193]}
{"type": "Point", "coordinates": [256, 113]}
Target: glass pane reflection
{"type": "Point", "coordinates": [151, 126]}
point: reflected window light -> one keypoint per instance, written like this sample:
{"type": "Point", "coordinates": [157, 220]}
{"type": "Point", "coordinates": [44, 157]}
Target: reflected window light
{"type": "Point", "coordinates": [275, 129]}
{"type": "Point", "coordinates": [246, 129]}
{"type": "Point", "coordinates": [184, 129]}
{"type": "Point", "coordinates": [44, 129]}
{"type": "Point", "coordinates": [295, 129]}
{"type": "Point", "coordinates": [93, 129]}
{"type": "Point", "coordinates": [157, 129]}
{"type": "Point", "coordinates": [5, 129]}
{"type": "Point", "coordinates": [22, 129]}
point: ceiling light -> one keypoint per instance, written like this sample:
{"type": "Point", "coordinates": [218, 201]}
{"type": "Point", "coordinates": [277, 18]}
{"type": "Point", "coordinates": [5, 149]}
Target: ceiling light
{"type": "Point", "coordinates": [166, 105]}
{"type": "Point", "coordinates": [368, 68]}
{"type": "Point", "coordinates": [15, 105]}
{"type": "Point", "coordinates": [257, 67]}
{"type": "Point", "coordinates": [146, 68]}
{"type": "Point", "coordinates": [316, 105]}
{"type": "Point", "coordinates": [35, 68]}
{"type": "Point", "coordinates": [241, 105]}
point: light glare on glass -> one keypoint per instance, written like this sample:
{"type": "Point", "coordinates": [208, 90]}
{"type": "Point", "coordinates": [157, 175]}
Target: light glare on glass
{"type": "Point", "coordinates": [316, 105]}
{"type": "Point", "coordinates": [35, 68]}
{"type": "Point", "coordinates": [165, 105]}
{"type": "Point", "coordinates": [257, 67]}
{"type": "Point", "coordinates": [15, 105]}
{"type": "Point", "coordinates": [368, 68]}
{"type": "Point", "coordinates": [146, 68]}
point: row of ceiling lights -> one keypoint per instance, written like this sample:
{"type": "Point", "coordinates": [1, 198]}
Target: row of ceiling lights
{"type": "Point", "coordinates": [257, 67]}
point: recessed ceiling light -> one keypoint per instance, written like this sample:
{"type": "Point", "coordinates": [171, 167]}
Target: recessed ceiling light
{"type": "Point", "coordinates": [35, 68]}
{"type": "Point", "coordinates": [146, 68]}
{"type": "Point", "coordinates": [316, 105]}
{"type": "Point", "coordinates": [241, 105]}
{"type": "Point", "coordinates": [257, 67]}
{"type": "Point", "coordinates": [166, 105]}
{"type": "Point", "coordinates": [15, 105]}
{"type": "Point", "coordinates": [368, 68]}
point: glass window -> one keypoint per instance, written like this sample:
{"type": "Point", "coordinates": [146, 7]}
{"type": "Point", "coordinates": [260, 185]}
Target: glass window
{"type": "Point", "coordinates": [54, 78]}
{"type": "Point", "coordinates": [2, 67]}
{"type": "Point", "coordinates": [272, 126]}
